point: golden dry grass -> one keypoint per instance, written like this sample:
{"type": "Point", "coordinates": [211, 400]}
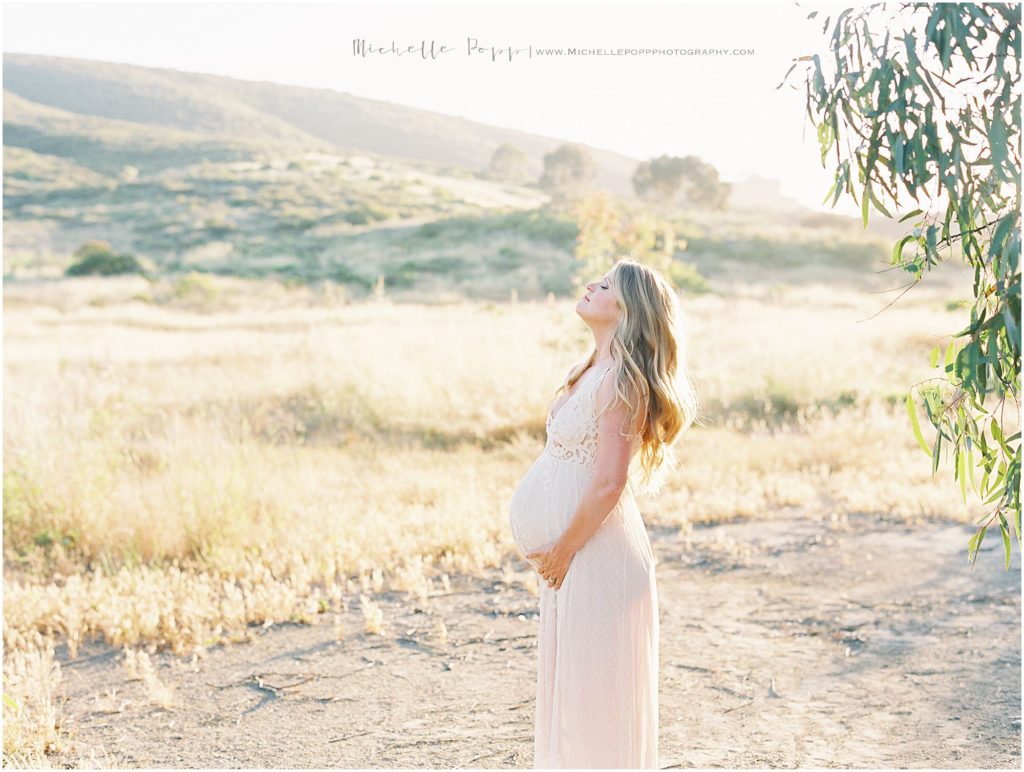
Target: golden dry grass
{"type": "Point", "coordinates": [174, 475]}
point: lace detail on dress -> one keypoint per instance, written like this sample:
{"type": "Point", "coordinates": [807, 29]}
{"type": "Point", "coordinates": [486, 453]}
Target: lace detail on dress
{"type": "Point", "coordinates": [572, 433]}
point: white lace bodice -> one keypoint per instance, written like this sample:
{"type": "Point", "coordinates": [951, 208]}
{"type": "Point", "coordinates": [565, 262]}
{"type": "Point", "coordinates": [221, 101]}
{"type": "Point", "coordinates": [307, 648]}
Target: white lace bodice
{"type": "Point", "coordinates": [572, 432]}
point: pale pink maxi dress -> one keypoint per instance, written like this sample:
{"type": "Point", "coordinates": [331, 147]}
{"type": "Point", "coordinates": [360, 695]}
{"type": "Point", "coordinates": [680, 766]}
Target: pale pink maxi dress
{"type": "Point", "coordinates": [597, 648]}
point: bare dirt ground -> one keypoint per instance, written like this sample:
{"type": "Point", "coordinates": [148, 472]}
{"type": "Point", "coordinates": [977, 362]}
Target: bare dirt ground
{"type": "Point", "coordinates": [784, 643]}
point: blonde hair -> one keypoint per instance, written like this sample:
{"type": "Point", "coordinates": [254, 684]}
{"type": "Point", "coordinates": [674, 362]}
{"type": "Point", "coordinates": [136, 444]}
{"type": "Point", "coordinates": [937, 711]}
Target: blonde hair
{"type": "Point", "coordinates": [648, 349]}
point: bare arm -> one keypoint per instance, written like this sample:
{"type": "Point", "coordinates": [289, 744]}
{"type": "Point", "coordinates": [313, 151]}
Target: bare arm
{"type": "Point", "coordinates": [614, 451]}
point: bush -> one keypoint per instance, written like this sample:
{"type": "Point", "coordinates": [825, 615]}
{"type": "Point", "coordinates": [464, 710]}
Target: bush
{"type": "Point", "coordinates": [343, 274]}
{"type": "Point", "coordinates": [430, 230]}
{"type": "Point", "coordinates": [217, 228]}
{"type": "Point", "coordinates": [96, 258]}
{"type": "Point", "coordinates": [367, 213]}
{"type": "Point", "coordinates": [443, 264]}
{"type": "Point", "coordinates": [400, 275]}
{"type": "Point", "coordinates": [195, 287]}
{"type": "Point", "coordinates": [295, 224]}
{"type": "Point", "coordinates": [687, 277]}
{"type": "Point", "coordinates": [774, 403]}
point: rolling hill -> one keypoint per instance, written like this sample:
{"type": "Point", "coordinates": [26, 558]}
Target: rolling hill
{"type": "Point", "coordinates": [189, 171]}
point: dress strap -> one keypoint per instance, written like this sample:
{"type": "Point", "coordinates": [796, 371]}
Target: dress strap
{"type": "Point", "coordinates": [596, 383]}
{"type": "Point", "coordinates": [604, 370]}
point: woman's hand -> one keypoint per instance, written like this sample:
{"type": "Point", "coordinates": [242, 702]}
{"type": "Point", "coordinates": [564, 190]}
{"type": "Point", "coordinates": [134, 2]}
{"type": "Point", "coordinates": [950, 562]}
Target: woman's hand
{"type": "Point", "coordinates": [553, 565]}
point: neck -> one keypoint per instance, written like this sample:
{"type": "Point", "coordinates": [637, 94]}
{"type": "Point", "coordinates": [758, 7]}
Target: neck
{"type": "Point", "coordinates": [603, 344]}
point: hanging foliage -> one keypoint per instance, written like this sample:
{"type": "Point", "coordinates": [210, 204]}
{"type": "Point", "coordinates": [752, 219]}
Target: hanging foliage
{"type": "Point", "coordinates": [921, 101]}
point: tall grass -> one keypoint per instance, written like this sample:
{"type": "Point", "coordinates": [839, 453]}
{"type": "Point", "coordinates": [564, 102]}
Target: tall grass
{"type": "Point", "coordinates": [173, 477]}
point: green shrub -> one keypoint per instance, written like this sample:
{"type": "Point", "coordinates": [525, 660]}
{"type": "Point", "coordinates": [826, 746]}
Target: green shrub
{"type": "Point", "coordinates": [96, 258]}
{"type": "Point", "coordinates": [343, 274]}
{"type": "Point", "coordinates": [217, 228]}
{"type": "Point", "coordinates": [774, 403]}
{"type": "Point", "coordinates": [687, 277]}
{"type": "Point", "coordinates": [842, 401]}
{"type": "Point", "coordinates": [367, 213]}
{"type": "Point", "coordinates": [195, 286]}
{"type": "Point", "coordinates": [400, 275]}
{"type": "Point", "coordinates": [296, 224]}
{"type": "Point", "coordinates": [443, 264]}
{"type": "Point", "coordinates": [430, 230]}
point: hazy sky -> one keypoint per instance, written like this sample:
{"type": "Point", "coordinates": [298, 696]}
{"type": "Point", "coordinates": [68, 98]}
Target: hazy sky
{"type": "Point", "coordinates": [723, 108]}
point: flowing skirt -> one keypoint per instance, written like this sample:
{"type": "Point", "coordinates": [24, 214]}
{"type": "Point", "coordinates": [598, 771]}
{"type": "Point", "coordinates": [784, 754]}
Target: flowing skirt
{"type": "Point", "coordinates": [597, 648]}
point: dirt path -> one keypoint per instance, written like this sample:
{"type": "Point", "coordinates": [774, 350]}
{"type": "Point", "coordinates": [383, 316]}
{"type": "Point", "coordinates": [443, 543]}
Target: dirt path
{"type": "Point", "coordinates": [784, 643]}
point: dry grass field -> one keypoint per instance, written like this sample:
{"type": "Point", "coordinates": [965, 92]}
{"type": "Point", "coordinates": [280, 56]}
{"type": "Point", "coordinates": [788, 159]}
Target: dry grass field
{"type": "Point", "coordinates": [184, 469]}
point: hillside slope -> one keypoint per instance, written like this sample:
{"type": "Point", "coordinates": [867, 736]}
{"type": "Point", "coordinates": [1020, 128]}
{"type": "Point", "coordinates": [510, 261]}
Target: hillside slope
{"type": "Point", "coordinates": [259, 110]}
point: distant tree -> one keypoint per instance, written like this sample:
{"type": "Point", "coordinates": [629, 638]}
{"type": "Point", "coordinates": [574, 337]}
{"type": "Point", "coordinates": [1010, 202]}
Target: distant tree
{"type": "Point", "coordinates": [96, 258]}
{"type": "Point", "coordinates": [689, 180]}
{"type": "Point", "coordinates": [643, 180]}
{"type": "Point", "coordinates": [510, 163]}
{"type": "Point", "coordinates": [702, 186]}
{"type": "Point", "coordinates": [658, 179]}
{"type": "Point", "coordinates": [569, 172]}
{"type": "Point", "coordinates": [897, 114]}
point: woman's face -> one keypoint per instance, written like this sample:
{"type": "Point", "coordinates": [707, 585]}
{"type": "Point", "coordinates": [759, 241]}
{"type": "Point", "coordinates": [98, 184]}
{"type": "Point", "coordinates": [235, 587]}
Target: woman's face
{"type": "Point", "coordinates": [598, 303]}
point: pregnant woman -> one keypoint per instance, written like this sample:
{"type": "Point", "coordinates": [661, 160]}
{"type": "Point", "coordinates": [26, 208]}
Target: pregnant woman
{"type": "Point", "coordinates": [575, 518]}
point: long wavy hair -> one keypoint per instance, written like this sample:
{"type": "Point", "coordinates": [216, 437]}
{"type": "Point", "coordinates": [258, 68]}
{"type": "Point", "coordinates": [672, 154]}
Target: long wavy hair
{"type": "Point", "coordinates": [648, 349]}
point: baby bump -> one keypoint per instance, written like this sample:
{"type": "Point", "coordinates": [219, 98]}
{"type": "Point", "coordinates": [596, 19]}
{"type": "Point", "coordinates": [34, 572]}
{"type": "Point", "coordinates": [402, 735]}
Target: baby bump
{"type": "Point", "coordinates": [543, 504]}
